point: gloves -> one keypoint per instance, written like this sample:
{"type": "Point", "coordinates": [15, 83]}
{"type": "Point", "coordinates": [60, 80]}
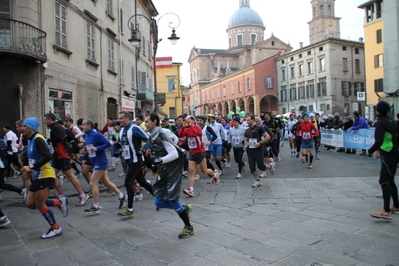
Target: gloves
{"type": "Point", "coordinates": [157, 161]}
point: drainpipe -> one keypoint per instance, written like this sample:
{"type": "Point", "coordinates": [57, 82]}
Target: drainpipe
{"type": "Point", "coordinates": [120, 55]}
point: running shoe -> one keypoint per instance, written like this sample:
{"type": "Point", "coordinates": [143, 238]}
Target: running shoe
{"type": "Point", "coordinates": [138, 197]}
{"type": "Point", "coordinates": [92, 210]}
{"type": "Point", "coordinates": [239, 175]}
{"type": "Point", "coordinates": [272, 169]}
{"type": "Point", "coordinates": [189, 192]}
{"type": "Point", "coordinates": [122, 201]}
{"type": "Point", "coordinates": [82, 201]}
{"type": "Point", "coordinates": [5, 222]}
{"type": "Point", "coordinates": [23, 194]}
{"type": "Point", "coordinates": [394, 210]}
{"type": "Point", "coordinates": [197, 177]}
{"type": "Point", "coordinates": [100, 184]}
{"type": "Point", "coordinates": [303, 160]}
{"type": "Point", "coordinates": [317, 157]}
{"type": "Point", "coordinates": [52, 233]}
{"type": "Point", "coordinates": [112, 168]}
{"type": "Point", "coordinates": [307, 158]}
{"type": "Point", "coordinates": [263, 174]}
{"type": "Point", "coordinates": [121, 175]}
{"type": "Point", "coordinates": [297, 155]}
{"type": "Point", "coordinates": [126, 214]}
{"type": "Point", "coordinates": [278, 158]}
{"type": "Point", "coordinates": [16, 174]}
{"type": "Point", "coordinates": [310, 166]}
{"type": "Point", "coordinates": [382, 214]}
{"type": "Point", "coordinates": [379, 195]}
{"type": "Point", "coordinates": [64, 206]}
{"type": "Point", "coordinates": [185, 174]}
{"type": "Point", "coordinates": [221, 172]}
{"type": "Point", "coordinates": [244, 167]}
{"type": "Point", "coordinates": [110, 193]}
{"type": "Point", "coordinates": [186, 232]}
{"type": "Point", "coordinates": [257, 183]}
{"type": "Point", "coordinates": [77, 174]}
{"type": "Point", "coordinates": [90, 193]}
{"type": "Point", "coordinates": [216, 180]}
{"type": "Point", "coordinates": [210, 181]}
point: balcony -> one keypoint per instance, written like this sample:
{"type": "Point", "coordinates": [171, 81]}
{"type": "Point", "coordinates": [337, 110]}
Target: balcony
{"type": "Point", "coordinates": [17, 37]}
{"type": "Point", "coordinates": [145, 94]}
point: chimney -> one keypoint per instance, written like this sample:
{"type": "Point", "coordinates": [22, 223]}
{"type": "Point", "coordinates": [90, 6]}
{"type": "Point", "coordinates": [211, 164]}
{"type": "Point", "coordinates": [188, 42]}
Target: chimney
{"type": "Point", "coordinates": [301, 45]}
{"type": "Point", "coordinates": [361, 39]}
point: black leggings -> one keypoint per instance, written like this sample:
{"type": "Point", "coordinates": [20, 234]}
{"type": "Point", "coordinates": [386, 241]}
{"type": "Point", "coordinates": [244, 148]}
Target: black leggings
{"type": "Point", "coordinates": [387, 181]}
{"type": "Point", "coordinates": [12, 159]}
{"type": "Point", "coordinates": [5, 186]}
{"type": "Point", "coordinates": [298, 144]}
{"type": "Point", "coordinates": [256, 156]}
{"type": "Point", "coordinates": [238, 153]}
{"type": "Point", "coordinates": [136, 171]}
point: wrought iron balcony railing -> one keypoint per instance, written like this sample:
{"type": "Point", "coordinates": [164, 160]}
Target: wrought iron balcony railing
{"type": "Point", "coordinates": [23, 39]}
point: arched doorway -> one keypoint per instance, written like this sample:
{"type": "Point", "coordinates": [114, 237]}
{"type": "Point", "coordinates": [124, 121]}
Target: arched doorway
{"type": "Point", "coordinates": [233, 106]}
{"type": "Point", "coordinates": [241, 104]}
{"type": "Point", "coordinates": [226, 110]}
{"type": "Point", "coordinates": [269, 103]}
{"type": "Point", "coordinates": [219, 107]}
{"type": "Point", "coordinates": [112, 108]}
{"type": "Point", "coordinates": [251, 105]}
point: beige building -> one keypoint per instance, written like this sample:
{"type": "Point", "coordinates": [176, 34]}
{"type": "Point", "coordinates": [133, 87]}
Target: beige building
{"type": "Point", "coordinates": [327, 75]}
{"type": "Point", "coordinates": [73, 58]}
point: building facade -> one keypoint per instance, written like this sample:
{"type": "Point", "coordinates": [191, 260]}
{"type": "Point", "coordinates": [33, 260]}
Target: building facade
{"type": "Point", "coordinates": [325, 76]}
{"type": "Point", "coordinates": [76, 57]}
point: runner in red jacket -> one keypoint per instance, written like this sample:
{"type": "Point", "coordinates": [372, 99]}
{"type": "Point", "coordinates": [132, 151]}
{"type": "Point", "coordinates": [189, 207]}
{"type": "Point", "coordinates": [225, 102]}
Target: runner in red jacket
{"type": "Point", "coordinates": [307, 130]}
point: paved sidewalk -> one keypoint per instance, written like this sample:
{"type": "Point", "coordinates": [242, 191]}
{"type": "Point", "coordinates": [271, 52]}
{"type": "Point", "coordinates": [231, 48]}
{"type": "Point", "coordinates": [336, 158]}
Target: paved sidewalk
{"type": "Point", "coordinates": [298, 217]}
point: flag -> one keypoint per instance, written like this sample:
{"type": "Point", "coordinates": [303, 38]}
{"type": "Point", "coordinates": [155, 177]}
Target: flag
{"type": "Point", "coordinates": [163, 62]}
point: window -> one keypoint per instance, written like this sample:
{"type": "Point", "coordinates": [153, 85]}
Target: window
{"type": "Point", "coordinates": [142, 79]}
{"type": "Point", "coordinates": [172, 112]}
{"type": "Point", "coordinates": [323, 107]}
{"type": "Point", "coordinates": [238, 86]}
{"type": "Point", "coordinates": [321, 10]}
{"type": "Point", "coordinates": [293, 92]}
{"type": "Point", "coordinates": [358, 87]}
{"type": "Point", "coordinates": [310, 89]}
{"type": "Point", "coordinates": [218, 92]}
{"type": "Point", "coordinates": [249, 84]}
{"type": "Point", "coordinates": [300, 56]}
{"type": "Point", "coordinates": [379, 85]}
{"type": "Point", "coordinates": [282, 62]}
{"type": "Point", "coordinates": [321, 48]}
{"type": "Point", "coordinates": [171, 85]}
{"type": "Point", "coordinates": [111, 65]}
{"type": "Point", "coordinates": [301, 89]}
{"type": "Point", "coordinates": [292, 58]}
{"type": "Point", "coordinates": [310, 67]}
{"type": "Point", "coordinates": [310, 108]}
{"type": "Point", "coordinates": [283, 74]}
{"type": "Point", "coordinates": [329, 10]}
{"type": "Point", "coordinates": [224, 90]}
{"type": "Point", "coordinates": [253, 39]}
{"type": "Point", "coordinates": [328, 107]}
{"type": "Point", "coordinates": [345, 64]}
{"type": "Point", "coordinates": [60, 25]}
{"type": "Point", "coordinates": [143, 45]}
{"type": "Point", "coordinates": [301, 70]}
{"type": "Point", "coordinates": [229, 42]}
{"type": "Point", "coordinates": [213, 95]}
{"type": "Point", "coordinates": [292, 72]}
{"type": "Point", "coordinates": [379, 36]}
{"type": "Point", "coordinates": [378, 61]}
{"type": "Point", "coordinates": [90, 43]}
{"type": "Point", "coordinates": [232, 88]}
{"type": "Point", "coordinates": [109, 6]}
{"type": "Point", "coordinates": [343, 48]}
{"type": "Point", "coordinates": [314, 11]}
{"type": "Point", "coordinates": [321, 63]}
{"type": "Point", "coordinates": [121, 20]}
{"type": "Point", "coordinates": [346, 88]}
{"type": "Point", "coordinates": [357, 51]}
{"type": "Point", "coordinates": [357, 65]}
{"type": "Point", "coordinates": [283, 94]}
{"type": "Point", "coordinates": [322, 87]}
{"type": "Point", "coordinates": [309, 52]}
{"type": "Point", "coordinates": [269, 83]}
{"type": "Point", "coordinates": [133, 74]}
{"type": "Point", "coordinates": [239, 40]}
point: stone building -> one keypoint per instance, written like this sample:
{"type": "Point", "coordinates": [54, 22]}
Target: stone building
{"type": "Point", "coordinates": [326, 75]}
{"type": "Point", "coordinates": [73, 58]}
{"type": "Point", "coordinates": [231, 78]}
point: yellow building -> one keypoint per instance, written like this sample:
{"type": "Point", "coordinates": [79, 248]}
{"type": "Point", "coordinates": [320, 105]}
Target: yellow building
{"type": "Point", "coordinates": [374, 50]}
{"type": "Point", "coordinates": [168, 87]}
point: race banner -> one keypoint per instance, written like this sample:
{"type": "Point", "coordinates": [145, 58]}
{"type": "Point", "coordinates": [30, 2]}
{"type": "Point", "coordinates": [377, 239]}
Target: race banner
{"type": "Point", "coordinates": [332, 137]}
{"type": "Point", "coordinates": [359, 139]}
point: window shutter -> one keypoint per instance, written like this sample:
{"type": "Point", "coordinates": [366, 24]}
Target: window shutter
{"type": "Point", "coordinates": [57, 24]}
{"type": "Point", "coordinates": [133, 77]}
{"type": "Point", "coordinates": [265, 82]}
{"type": "Point", "coordinates": [318, 89]}
{"type": "Point", "coordinates": [350, 88]}
{"type": "Point", "coordinates": [272, 82]}
{"type": "Point", "coordinates": [5, 13]}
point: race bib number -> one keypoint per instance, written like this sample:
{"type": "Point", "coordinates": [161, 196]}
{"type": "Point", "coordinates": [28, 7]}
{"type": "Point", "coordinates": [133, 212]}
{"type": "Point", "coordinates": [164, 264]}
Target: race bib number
{"type": "Point", "coordinates": [126, 152]}
{"type": "Point", "coordinates": [306, 135]}
{"type": "Point", "coordinates": [252, 142]}
{"type": "Point", "coordinates": [236, 140]}
{"type": "Point", "coordinates": [51, 148]}
{"type": "Point", "coordinates": [91, 153]}
{"type": "Point", "coordinates": [31, 162]}
{"type": "Point", "coordinates": [192, 143]}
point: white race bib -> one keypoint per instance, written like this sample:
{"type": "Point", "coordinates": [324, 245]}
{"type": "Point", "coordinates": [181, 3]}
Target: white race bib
{"type": "Point", "coordinates": [91, 153]}
{"type": "Point", "coordinates": [31, 162]}
{"type": "Point", "coordinates": [192, 143]}
{"type": "Point", "coordinates": [236, 140]}
{"type": "Point", "coordinates": [126, 152]}
{"type": "Point", "coordinates": [252, 142]}
{"type": "Point", "coordinates": [306, 135]}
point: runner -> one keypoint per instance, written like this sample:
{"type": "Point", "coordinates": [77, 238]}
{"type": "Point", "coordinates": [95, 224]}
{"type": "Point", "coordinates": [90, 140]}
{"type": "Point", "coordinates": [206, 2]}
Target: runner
{"type": "Point", "coordinates": [168, 158]}
{"type": "Point", "coordinates": [218, 143]}
{"type": "Point", "coordinates": [193, 134]}
{"type": "Point", "coordinates": [267, 153]}
{"type": "Point", "coordinates": [306, 128]}
{"type": "Point", "coordinates": [96, 144]}
{"type": "Point", "coordinates": [75, 145]}
{"type": "Point", "coordinates": [37, 163]}
{"type": "Point", "coordinates": [254, 149]}
{"type": "Point", "coordinates": [291, 137]}
{"type": "Point", "coordinates": [237, 139]}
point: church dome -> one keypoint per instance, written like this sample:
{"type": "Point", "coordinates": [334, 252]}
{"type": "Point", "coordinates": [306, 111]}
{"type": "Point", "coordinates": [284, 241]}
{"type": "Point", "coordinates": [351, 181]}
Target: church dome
{"type": "Point", "coordinates": [245, 16]}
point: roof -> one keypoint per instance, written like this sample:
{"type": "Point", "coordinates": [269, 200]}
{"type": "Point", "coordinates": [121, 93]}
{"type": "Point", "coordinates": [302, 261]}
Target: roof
{"type": "Point", "coordinates": [368, 3]}
{"type": "Point", "coordinates": [214, 51]}
{"type": "Point", "coordinates": [245, 16]}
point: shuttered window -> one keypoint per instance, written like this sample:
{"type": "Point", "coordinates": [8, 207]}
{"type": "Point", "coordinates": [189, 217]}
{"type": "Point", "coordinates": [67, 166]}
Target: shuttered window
{"type": "Point", "coordinates": [60, 25]}
{"type": "Point", "coordinates": [90, 43]}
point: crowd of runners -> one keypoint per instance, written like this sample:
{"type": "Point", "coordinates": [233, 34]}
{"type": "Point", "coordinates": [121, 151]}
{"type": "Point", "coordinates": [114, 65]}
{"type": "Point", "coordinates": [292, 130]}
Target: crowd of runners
{"type": "Point", "coordinates": [187, 148]}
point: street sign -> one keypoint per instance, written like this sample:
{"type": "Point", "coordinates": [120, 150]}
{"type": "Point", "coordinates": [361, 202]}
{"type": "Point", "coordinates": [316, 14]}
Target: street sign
{"type": "Point", "coordinates": [361, 96]}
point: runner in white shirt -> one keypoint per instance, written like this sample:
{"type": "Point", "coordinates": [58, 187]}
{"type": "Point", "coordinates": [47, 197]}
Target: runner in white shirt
{"type": "Point", "coordinates": [290, 123]}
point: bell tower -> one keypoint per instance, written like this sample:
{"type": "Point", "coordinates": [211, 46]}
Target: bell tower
{"type": "Point", "coordinates": [324, 24]}
{"type": "Point", "coordinates": [245, 3]}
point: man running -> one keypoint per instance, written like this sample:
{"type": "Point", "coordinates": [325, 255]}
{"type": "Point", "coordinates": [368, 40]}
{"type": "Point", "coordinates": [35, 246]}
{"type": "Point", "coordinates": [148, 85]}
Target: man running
{"type": "Point", "coordinates": [169, 162]}
{"type": "Point", "coordinates": [291, 137]}
{"type": "Point", "coordinates": [217, 144]}
{"type": "Point", "coordinates": [37, 164]}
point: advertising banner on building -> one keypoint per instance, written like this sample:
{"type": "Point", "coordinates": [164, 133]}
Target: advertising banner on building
{"type": "Point", "coordinates": [127, 104]}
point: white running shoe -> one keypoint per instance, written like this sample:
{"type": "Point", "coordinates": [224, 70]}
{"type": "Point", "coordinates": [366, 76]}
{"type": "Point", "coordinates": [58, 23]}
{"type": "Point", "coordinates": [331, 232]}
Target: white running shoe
{"type": "Point", "coordinates": [257, 183]}
{"type": "Point", "coordinates": [239, 175]}
{"type": "Point", "coordinates": [263, 174]}
{"type": "Point", "coordinates": [52, 233]}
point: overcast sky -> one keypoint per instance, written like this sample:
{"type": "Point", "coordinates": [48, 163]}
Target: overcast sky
{"type": "Point", "coordinates": [203, 23]}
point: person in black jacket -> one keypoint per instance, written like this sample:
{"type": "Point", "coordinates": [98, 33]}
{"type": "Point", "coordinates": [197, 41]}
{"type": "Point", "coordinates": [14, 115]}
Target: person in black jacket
{"type": "Point", "coordinates": [386, 145]}
{"type": "Point", "coordinates": [347, 125]}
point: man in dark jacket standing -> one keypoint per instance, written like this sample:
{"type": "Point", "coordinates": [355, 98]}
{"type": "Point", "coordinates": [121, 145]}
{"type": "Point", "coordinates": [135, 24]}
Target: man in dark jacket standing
{"type": "Point", "coordinates": [386, 144]}
{"type": "Point", "coordinates": [169, 163]}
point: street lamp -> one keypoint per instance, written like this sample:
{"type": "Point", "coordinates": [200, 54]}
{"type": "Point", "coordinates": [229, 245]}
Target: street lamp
{"type": "Point", "coordinates": [135, 39]}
